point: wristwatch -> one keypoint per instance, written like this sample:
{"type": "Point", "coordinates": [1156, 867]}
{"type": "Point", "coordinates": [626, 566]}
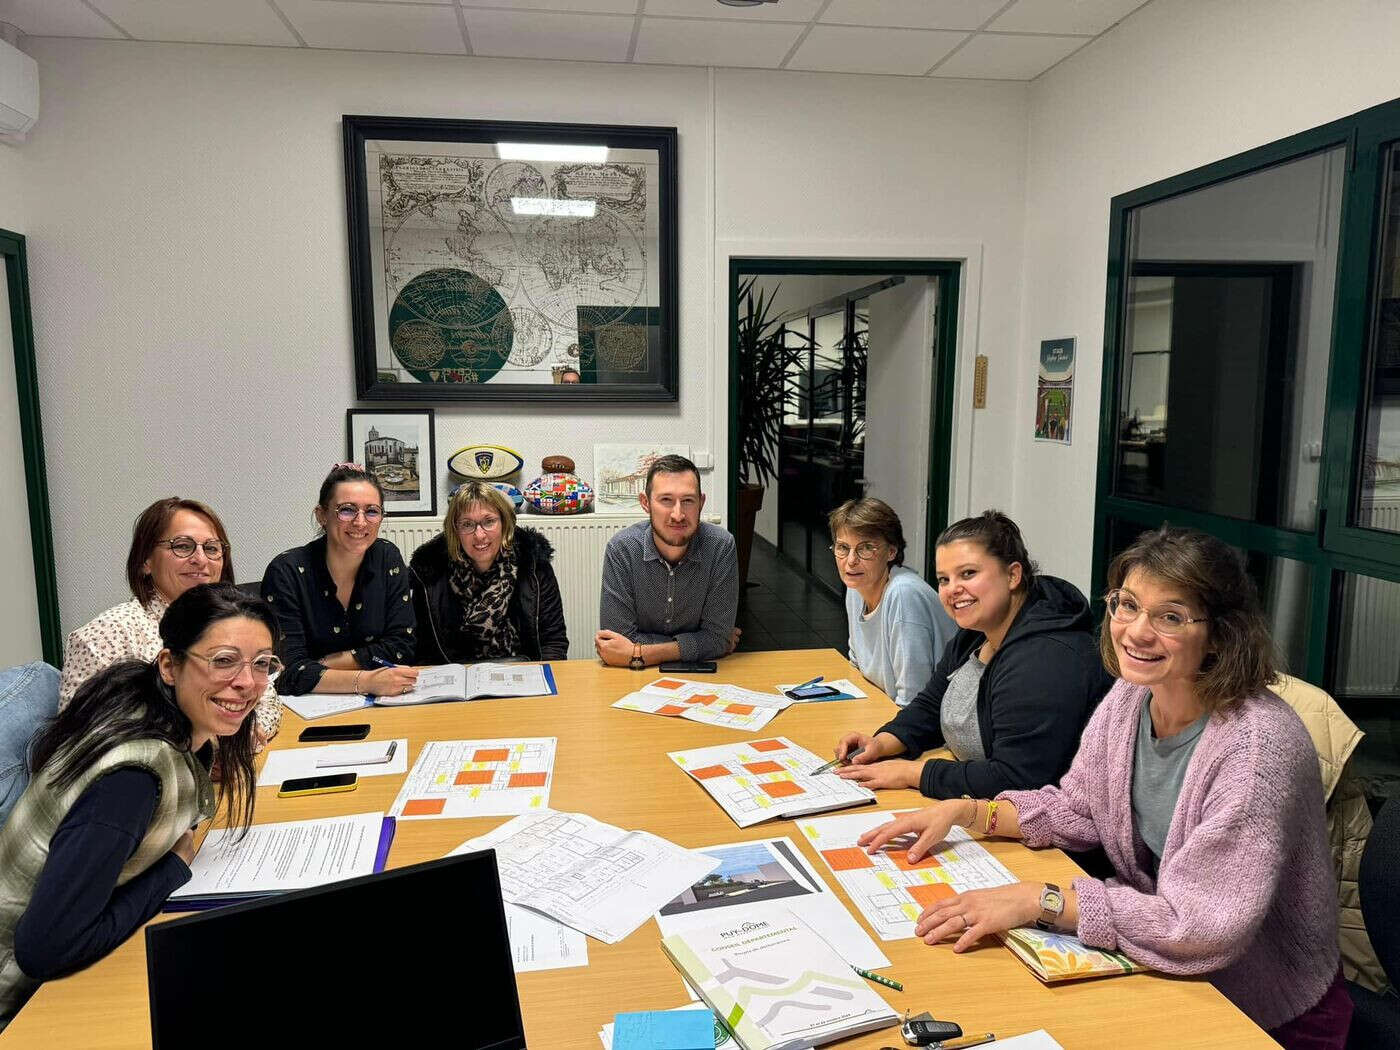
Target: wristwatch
{"type": "Point", "coordinates": [637, 663]}
{"type": "Point", "coordinates": [1052, 906]}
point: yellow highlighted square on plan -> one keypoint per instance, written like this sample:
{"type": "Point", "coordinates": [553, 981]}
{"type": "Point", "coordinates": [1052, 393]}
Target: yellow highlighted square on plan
{"type": "Point", "coordinates": [885, 880]}
{"type": "Point", "coordinates": [811, 831]}
{"type": "Point", "coordinates": [535, 802]}
{"type": "Point", "coordinates": [476, 792]}
{"type": "Point", "coordinates": [514, 766]}
{"type": "Point", "coordinates": [910, 910]}
{"type": "Point", "coordinates": [927, 876]}
{"type": "Point", "coordinates": [441, 778]}
{"type": "Point", "coordinates": [763, 802]}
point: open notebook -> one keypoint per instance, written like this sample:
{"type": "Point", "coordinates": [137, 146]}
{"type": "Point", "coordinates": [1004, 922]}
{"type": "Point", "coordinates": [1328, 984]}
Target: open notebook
{"type": "Point", "coordinates": [475, 682]}
{"type": "Point", "coordinates": [1064, 957]}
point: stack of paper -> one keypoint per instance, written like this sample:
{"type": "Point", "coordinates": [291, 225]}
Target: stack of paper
{"type": "Point", "coordinates": [292, 762]}
{"type": "Point", "coordinates": [319, 705]}
{"type": "Point", "coordinates": [537, 942]}
{"type": "Point", "coordinates": [712, 703]}
{"type": "Point", "coordinates": [274, 858]}
{"type": "Point", "coordinates": [777, 984]}
{"type": "Point", "coordinates": [478, 778]}
{"type": "Point", "coordinates": [767, 780]}
{"type": "Point", "coordinates": [592, 876]}
{"type": "Point", "coordinates": [889, 891]}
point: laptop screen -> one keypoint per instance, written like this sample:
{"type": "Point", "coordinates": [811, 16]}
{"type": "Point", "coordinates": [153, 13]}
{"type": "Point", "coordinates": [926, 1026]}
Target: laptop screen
{"type": "Point", "coordinates": [413, 952]}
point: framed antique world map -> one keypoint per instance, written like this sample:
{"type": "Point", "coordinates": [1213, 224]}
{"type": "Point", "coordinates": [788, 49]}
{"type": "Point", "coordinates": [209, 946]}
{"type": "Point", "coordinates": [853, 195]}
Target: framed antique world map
{"type": "Point", "coordinates": [511, 260]}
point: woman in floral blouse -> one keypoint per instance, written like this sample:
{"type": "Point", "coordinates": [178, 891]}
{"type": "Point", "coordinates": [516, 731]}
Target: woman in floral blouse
{"type": "Point", "coordinates": [176, 544]}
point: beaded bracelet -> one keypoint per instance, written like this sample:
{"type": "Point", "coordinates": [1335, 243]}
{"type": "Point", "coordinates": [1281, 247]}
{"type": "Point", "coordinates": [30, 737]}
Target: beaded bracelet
{"type": "Point", "coordinates": [355, 685]}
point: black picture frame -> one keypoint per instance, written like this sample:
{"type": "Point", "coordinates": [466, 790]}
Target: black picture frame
{"type": "Point", "coordinates": [356, 451]}
{"type": "Point", "coordinates": [452, 297]}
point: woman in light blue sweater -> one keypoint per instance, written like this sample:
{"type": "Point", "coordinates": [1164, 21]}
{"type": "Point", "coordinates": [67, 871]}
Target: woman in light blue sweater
{"type": "Point", "coordinates": [897, 627]}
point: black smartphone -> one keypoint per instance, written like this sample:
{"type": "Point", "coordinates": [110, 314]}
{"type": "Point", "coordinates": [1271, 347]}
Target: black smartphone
{"type": "Point", "coordinates": [353, 731]}
{"type": "Point", "coordinates": [318, 785]}
{"type": "Point", "coordinates": [813, 692]}
{"type": "Point", "coordinates": [689, 667]}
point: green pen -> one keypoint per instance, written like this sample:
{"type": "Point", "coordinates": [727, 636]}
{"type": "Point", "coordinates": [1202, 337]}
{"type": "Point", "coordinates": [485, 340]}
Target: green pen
{"type": "Point", "coordinates": [887, 982]}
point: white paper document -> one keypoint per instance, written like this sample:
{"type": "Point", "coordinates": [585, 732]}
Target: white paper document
{"type": "Point", "coordinates": [889, 891]}
{"type": "Point", "coordinates": [292, 855]}
{"type": "Point", "coordinates": [537, 942]}
{"type": "Point", "coordinates": [319, 705]}
{"type": "Point", "coordinates": [1037, 1040]}
{"type": "Point", "coordinates": [711, 703]}
{"type": "Point", "coordinates": [768, 780]}
{"type": "Point", "coordinates": [474, 682]}
{"type": "Point", "coordinates": [592, 876]}
{"type": "Point", "coordinates": [723, 1039]}
{"type": "Point", "coordinates": [478, 778]}
{"type": "Point", "coordinates": [753, 875]}
{"type": "Point", "coordinates": [289, 763]}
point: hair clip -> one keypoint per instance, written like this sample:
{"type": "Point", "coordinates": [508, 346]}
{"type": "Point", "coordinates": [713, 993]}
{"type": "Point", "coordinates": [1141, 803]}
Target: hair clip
{"type": "Point", "coordinates": [352, 466]}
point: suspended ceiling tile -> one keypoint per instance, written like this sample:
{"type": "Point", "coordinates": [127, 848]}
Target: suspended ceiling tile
{"type": "Point", "coordinates": [842, 49]}
{"type": "Point", "coordinates": [992, 56]}
{"type": "Point", "coordinates": [1084, 17]}
{"type": "Point", "coordinates": [783, 11]}
{"type": "Point", "coordinates": [533, 34]}
{"type": "Point", "coordinates": [376, 27]}
{"type": "Point", "coordinates": [55, 18]}
{"type": "Point", "coordinates": [201, 21]}
{"type": "Point", "coordinates": [706, 43]}
{"type": "Point", "coordinates": [595, 7]}
{"type": "Point", "coordinates": [913, 14]}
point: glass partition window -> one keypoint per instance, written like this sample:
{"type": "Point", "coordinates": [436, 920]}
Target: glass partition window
{"type": "Point", "coordinates": [1227, 332]}
{"type": "Point", "coordinates": [1378, 503]}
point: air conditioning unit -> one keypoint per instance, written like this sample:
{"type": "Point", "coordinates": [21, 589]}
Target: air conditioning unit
{"type": "Point", "coordinates": [19, 92]}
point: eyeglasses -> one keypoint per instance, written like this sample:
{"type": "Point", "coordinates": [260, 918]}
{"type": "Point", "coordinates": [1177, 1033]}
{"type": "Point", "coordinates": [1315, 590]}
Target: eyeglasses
{"type": "Point", "coordinates": [184, 546]}
{"type": "Point", "coordinates": [864, 551]}
{"type": "Point", "coordinates": [348, 512]}
{"type": "Point", "coordinates": [485, 525]}
{"type": "Point", "coordinates": [225, 664]}
{"type": "Point", "coordinates": [1165, 619]}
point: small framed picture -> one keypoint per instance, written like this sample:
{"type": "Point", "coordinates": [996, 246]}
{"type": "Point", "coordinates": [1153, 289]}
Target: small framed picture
{"type": "Point", "coordinates": [398, 449]}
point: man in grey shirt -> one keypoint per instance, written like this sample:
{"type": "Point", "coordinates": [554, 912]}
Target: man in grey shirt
{"type": "Point", "coordinates": [671, 583]}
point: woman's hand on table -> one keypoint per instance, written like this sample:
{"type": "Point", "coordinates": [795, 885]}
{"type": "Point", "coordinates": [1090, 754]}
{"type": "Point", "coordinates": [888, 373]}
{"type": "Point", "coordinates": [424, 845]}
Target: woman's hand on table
{"type": "Point", "coordinates": [389, 681]}
{"type": "Point", "coordinates": [928, 826]}
{"type": "Point", "coordinates": [891, 773]}
{"type": "Point", "coordinates": [184, 847]}
{"type": "Point", "coordinates": [976, 914]}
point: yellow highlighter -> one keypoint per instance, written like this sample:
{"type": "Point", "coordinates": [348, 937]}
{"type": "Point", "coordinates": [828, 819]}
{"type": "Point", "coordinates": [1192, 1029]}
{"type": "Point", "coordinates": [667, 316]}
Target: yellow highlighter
{"type": "Point", "coordinates": [322, 785]}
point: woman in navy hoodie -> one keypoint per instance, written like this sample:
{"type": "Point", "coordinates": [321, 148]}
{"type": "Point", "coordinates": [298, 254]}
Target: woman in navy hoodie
{"type": "Point", "coordinates": [1014, 687]}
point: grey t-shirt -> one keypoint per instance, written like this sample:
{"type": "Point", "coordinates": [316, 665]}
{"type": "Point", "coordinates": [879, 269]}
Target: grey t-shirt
{"type": "Point", "coordinates": [1159, 767]}
{"type": "Point", "coordinates": [962, 732]}
{"type": "Point", "coordinates": [898, 645]}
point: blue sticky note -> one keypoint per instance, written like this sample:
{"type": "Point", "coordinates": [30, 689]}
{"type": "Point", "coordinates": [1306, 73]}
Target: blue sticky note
{"type": "Point", "coordinates": [664, 1030]}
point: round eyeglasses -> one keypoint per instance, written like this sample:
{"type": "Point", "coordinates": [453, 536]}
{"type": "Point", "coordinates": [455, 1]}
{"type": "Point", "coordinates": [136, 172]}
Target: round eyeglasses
{"type": "Point", "coordinates": [184, 546]}
{"type": "Point", "coordinates": [348, 512]}
{"type": "Point", "coordinates": [864, 551]}
{"type": "Point", "coordinates": [225, 665]}
{"type": "Point", "coordinates": [1165, 619]}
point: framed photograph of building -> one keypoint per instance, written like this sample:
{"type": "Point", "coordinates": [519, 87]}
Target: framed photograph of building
{"type": "Point", "coordinates": [511, 260]}
{"type": "Point", "coordinates": [398, 449]}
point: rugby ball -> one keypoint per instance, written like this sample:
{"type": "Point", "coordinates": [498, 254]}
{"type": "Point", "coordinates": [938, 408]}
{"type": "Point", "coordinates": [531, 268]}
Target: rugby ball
{"type": "Point", "coordinates": [559, 494]}
{"type": "Point", "coordinates": [487, 462]}
{"type": "Point", "coordinates": [510, 490]}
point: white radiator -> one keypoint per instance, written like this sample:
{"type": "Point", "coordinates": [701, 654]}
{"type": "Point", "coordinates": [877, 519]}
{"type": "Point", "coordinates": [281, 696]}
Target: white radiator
{"type": "Point", "coordinates": [1371, 662]}
{"type": "Point", "coordinates": [578, 540]}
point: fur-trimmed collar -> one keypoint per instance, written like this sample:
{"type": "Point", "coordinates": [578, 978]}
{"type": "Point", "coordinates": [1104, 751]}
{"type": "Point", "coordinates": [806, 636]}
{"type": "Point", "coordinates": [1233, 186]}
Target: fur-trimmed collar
{"type": "Point", "coordinates": [430, 561]}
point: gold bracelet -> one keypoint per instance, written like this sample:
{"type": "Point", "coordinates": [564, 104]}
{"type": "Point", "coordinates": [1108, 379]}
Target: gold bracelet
{"type": "Point", "coordinates": [355, 685]}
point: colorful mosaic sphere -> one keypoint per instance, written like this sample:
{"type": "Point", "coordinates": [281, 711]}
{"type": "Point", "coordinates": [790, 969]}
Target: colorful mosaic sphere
{"type": "Point", "coordinates": [559, 494]}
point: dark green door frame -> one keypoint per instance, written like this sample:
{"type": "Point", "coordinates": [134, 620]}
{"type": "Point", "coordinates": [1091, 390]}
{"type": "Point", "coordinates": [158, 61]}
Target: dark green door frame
{"type": "Point", "coordinates": [1335, 546]}
{"type": "Point", "coordinates": [32, 437]}
{"type": "Point", "coordinates": [941, 397]}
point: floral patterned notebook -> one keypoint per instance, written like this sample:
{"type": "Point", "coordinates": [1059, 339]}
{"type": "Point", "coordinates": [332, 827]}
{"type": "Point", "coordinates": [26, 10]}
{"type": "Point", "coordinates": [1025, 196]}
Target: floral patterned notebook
{"type": "Point", "coordinates": [1063, 957]}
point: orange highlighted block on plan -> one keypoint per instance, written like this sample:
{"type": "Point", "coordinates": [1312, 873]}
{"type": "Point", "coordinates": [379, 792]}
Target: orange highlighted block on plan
{"type": "Point", "coordinates": [710, 772]}
{"type": "Point", "coordinates": [491, 754]}
{"type": "Point", "coordinates": [781, 788]}
{"type": "Point", "coordinates": [670, 709]}
{"type": "Point", "coordinates": [899, 855]}
{"type": "Point", "coordinates": [851, 858]}
{"type": "Point", "coordinates": [769, 745]}
{"type": "Point", "coordinates": [667, 683]}
{"type": "Point", "coordinates": [475, 776]}
{"type": "Point", "coordinates": [932, 893]}
{"type": "Point", "coordinates": [424, 807]}
{"type": "Point", "coordinates": [739, 709]}
{"type": "Point", "coordinates": [763, 767]}
{"type": "Point", "coordinates": [527, 780]}
{"type": "Point", "coordinates": [704, 699]}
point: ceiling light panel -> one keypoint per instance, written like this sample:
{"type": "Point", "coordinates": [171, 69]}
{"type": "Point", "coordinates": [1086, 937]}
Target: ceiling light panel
{"type": "Point", "coordinates": [783, 11]}
{"type": "Point", "coordinates": [841, 49]}
{"type": "Point", "coordinates": [536, 34]}
{"type": "Point", "coordinates": [376, 27]}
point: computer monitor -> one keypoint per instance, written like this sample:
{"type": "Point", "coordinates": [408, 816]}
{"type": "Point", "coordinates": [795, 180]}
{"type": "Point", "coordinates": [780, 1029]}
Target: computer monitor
{"type": "Point", "coordinates": [369, 962]}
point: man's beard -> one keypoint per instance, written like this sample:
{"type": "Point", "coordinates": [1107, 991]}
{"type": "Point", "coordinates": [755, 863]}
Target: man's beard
{"type": "Point", "coordinates": [662, 539]}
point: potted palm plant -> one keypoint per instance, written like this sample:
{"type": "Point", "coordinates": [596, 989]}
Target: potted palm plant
{"type": "Point", "coordinates": [769, 358]}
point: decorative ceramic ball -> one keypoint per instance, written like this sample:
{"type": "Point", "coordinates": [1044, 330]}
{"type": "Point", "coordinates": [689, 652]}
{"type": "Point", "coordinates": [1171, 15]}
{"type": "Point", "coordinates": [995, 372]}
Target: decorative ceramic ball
{"type": "Point", "coordinates": [558, 493]}
{"type": "Point", "coordinates": [557, 465]}
{"type": "Point", "coordinates": [516, 496]}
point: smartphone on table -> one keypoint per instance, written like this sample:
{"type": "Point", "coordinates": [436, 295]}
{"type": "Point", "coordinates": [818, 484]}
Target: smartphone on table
{"type": "Point", "coordinates": [812, 692]}
{"type": "Point", "coordinates": [322, 785]}
{"type": "Point", "coordinates": [689, 667]}
{"type": "Point", "coordinates": [352, 731]}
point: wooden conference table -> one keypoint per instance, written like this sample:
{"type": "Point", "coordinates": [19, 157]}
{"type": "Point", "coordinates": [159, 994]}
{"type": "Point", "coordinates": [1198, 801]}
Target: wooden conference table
{"type": "Point", "coordinates": [612, 765]}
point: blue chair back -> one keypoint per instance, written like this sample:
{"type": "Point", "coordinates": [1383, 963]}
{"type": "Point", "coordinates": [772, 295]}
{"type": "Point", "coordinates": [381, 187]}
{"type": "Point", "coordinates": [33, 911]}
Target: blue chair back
{"type": "Point", "coordinates": [28, 698]}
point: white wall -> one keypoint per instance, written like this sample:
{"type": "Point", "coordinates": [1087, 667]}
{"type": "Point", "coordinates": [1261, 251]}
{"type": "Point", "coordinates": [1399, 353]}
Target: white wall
{"type": "Point", "coordinates": [185, 210]}
{"type": "Point", "coordinates": [1178, 84]}
{"type": "Point", "coordinates": [13, 215]}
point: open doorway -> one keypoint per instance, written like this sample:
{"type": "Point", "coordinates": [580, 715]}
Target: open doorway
{"type": "Point", "coordinates": [866, 410]}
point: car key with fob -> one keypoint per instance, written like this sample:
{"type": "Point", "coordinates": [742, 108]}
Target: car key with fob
{"type": "Point", "coordinates": [925, 1031]}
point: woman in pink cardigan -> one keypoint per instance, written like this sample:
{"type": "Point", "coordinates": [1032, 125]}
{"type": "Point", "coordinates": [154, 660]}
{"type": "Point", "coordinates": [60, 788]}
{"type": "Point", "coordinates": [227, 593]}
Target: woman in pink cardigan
{"type": "Point", "coordinates": [1203, 789]}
